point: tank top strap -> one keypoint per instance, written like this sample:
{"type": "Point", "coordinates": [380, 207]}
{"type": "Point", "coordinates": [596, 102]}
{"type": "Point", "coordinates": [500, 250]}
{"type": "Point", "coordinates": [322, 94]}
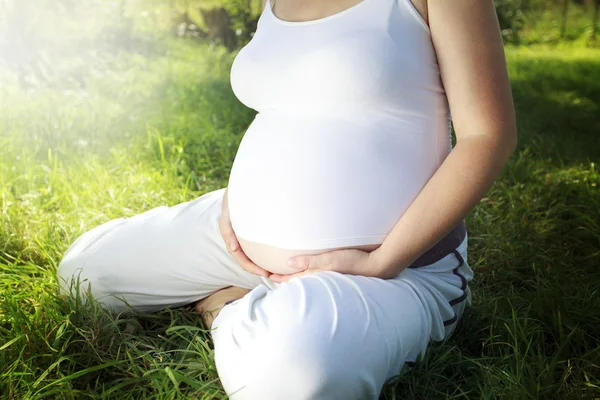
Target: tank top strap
{"type": "Point", "coordinates": [410, 9]}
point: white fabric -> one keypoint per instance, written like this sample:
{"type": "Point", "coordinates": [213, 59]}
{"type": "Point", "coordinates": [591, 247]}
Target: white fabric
{"type": "Point", "coordinates": [352, 122]}
{"type": "Point", "coordinates": [324, 336]}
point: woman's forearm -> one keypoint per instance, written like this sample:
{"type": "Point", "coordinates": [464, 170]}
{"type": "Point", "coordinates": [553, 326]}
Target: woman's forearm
{"type": "Point", "coordinates": [449, 196]}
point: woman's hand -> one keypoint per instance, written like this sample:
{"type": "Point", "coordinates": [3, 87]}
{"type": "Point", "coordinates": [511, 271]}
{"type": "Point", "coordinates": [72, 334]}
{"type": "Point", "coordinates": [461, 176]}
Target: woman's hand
{"type": "Point", "coordinates": [346, 261]}
{"type": "Point", "coordinates": [233, 245]}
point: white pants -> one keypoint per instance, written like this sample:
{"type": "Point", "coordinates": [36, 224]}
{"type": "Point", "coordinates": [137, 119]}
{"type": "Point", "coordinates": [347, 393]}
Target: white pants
{"type": "Point", "coordinates": [323, 336]}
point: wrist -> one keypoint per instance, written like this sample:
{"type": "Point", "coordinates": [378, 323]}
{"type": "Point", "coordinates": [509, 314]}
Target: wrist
{"type": "Point", "coordinates": [387, 266]}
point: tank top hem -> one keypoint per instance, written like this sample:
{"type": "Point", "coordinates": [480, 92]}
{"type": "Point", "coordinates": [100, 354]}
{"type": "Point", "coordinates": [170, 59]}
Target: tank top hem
{"type": "Point", "coordinates": [314, 244]}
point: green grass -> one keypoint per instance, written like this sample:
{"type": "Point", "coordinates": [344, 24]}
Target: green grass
{"type": "Point", "coordinates": [161, 127]}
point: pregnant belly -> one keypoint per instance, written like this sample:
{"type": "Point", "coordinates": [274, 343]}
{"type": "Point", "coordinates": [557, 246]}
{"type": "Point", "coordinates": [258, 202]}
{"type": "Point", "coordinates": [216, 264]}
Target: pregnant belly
{"type": "Point", "coordinates": [274, 259]}
{"type": "Point", "coordinates": [306, 185]}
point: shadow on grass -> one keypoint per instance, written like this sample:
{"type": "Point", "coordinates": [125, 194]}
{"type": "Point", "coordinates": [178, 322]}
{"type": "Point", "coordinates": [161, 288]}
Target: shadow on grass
{"type": "Point", "coordinates": [534, 243]}
{"type": "Point", "coordinates": [558, 107]}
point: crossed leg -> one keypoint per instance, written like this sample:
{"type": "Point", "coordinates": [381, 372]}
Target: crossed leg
{"type": "Point", "coordinates": [324, 336]}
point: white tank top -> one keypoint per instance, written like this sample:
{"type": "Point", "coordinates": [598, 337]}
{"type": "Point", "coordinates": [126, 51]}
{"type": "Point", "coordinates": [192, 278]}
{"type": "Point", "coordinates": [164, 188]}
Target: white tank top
{"type": "Point", "coordinates": [352, 122]}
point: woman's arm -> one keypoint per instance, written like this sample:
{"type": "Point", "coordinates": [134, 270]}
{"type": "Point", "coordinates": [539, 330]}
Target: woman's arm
{"type": "Point", "coordinates": [470, 53]}
{"type": "Point", "coordinates": [468, 44]}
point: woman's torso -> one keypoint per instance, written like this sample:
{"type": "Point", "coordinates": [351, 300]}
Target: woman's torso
{"type": "Point", "coordinates": [352, 122]}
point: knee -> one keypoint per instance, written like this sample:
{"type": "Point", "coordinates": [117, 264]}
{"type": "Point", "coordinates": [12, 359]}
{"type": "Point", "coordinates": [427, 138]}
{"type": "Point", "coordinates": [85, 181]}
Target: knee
{"type": "Point", "coordinates": [279, 363]}
{"type": "Point", "coordinates": [75, 274]}
{"type": "Point", "coordinates": [81, 277]}
{"type": "Point", "coordinates": [292, 366]}
{"type": "Point", "coordinates": [286, 352]}
{"type": "Point", "coordinates": [83, 270]}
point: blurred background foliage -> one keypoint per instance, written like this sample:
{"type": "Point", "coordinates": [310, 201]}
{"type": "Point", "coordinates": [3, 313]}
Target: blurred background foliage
{"type": "Point", "coordinates": [37, 36]}
{"type": "Point", "coordinates": [548, 21]}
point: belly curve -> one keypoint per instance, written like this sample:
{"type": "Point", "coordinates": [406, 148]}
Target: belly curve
{"type": "Point", "coordinates": [304, 185]}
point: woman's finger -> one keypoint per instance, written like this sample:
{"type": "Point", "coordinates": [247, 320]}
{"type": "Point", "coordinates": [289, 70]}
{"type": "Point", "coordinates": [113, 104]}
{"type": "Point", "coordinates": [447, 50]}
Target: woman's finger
{"type": "Point", "coordinates": [232, 243]}
{"type": "Point", "coordinates": [233, 246]}
{"type": "Point", "coordinates": [325, 260]}
{"type": "Point", "coordinates": [247, 264]}
{"type": "Point", "coordinates": [228, 234]}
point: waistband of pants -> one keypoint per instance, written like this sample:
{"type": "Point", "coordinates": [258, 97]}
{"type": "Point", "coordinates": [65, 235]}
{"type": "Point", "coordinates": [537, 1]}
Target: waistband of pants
{"type": "Point", "coordinates": [442, 248]}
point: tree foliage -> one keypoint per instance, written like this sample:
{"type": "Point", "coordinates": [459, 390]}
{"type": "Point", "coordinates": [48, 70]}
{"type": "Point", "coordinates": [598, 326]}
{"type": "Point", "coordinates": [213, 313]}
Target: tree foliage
{"type": "Point", "coordinates": [511, 18]}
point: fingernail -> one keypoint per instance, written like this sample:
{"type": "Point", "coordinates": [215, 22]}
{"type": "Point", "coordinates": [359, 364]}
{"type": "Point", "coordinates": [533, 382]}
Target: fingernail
{"type": "Point", "coordinates": [232, 246]}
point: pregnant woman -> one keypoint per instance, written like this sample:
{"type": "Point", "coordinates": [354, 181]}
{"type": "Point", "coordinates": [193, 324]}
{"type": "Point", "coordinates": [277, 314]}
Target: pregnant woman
{"type": "Point", "coordinates": [338, 249]}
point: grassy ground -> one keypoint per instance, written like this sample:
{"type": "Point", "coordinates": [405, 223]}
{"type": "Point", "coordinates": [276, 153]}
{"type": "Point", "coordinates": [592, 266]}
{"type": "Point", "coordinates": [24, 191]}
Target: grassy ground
{"type": "Point", "coordinates": [143, 129]}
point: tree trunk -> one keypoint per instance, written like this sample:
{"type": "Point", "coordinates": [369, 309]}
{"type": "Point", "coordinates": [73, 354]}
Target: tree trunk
{"type": "Point", "coordinates": [563, 27]}
{"type": "Point", "coordinates": [595, 20]}
{"type": "Point", "coordinates": [218, 23]}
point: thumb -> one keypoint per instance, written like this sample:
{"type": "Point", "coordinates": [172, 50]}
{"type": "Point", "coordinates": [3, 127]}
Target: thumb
{"type": "Point", "coordinates": [302, 263]}
{"type": "Point", "coordinates": [229, 236]}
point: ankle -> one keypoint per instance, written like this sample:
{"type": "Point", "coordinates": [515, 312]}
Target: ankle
{"type": "Point", "coordinates": [210, 306]}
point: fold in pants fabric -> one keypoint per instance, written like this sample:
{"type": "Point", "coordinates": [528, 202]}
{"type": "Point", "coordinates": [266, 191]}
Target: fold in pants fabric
{"type": "Point", "coordinates": [323, 336]}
